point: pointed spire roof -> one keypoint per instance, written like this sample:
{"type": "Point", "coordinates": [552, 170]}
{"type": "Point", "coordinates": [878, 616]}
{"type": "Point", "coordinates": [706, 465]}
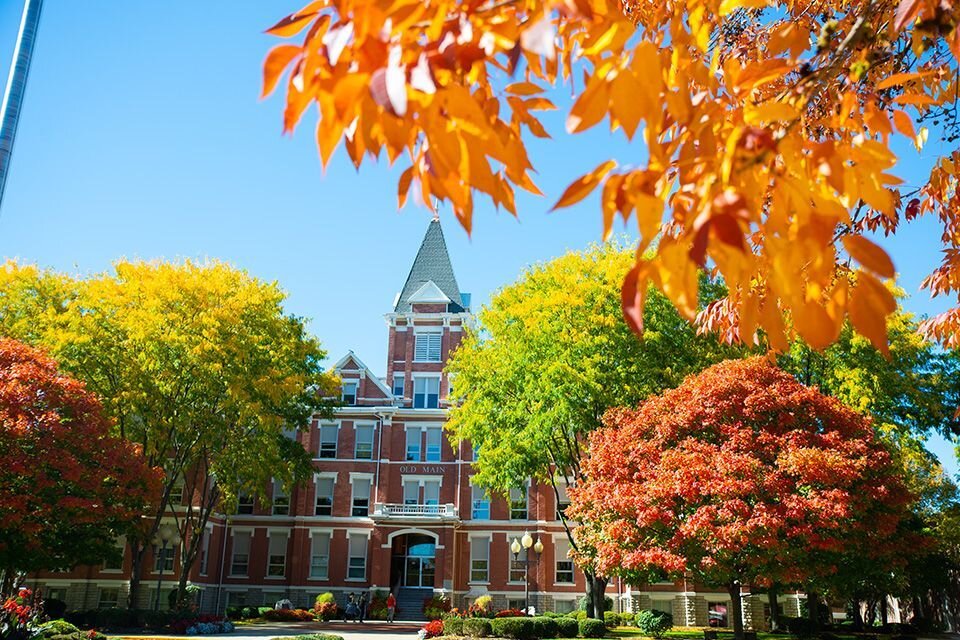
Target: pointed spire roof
{"type": "Point", "coordinates": [432, 265]}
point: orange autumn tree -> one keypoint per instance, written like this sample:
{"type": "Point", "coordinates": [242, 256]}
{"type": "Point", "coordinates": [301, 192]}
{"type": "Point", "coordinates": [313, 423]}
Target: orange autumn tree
{"type": "Point", "coordinates": [741, 475]}
{"type": "Point", "coordinates": [769, 127]}
{"type": "Point", "coordinates": [68, 489]}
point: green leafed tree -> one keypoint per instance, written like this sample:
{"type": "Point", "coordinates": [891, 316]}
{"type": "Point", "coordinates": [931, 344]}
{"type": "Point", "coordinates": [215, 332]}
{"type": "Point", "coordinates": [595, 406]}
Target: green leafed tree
{"type": "Point", "coordinates": [550, 354]}
{"type": "Point", "coordinates": [199, 364]}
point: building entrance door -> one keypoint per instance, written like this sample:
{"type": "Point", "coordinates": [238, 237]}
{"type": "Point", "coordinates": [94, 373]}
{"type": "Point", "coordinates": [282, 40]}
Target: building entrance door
{"type": "Point", "coordinates": [419, 562]}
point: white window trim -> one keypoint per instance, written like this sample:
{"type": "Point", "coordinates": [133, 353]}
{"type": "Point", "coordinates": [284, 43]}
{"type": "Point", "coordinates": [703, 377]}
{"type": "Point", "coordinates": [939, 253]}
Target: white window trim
{"type": "Point", "coordinates": [373, 439]}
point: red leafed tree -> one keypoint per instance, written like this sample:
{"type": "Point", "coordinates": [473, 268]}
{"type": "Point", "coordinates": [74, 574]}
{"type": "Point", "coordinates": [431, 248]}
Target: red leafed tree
{"type": "Point", "coordinates": [740, 475]}
{"type": "Point", "coordinates": [68, 488]}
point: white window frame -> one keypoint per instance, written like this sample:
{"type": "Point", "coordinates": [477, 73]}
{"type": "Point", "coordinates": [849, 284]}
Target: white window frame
{"type": "Point", "coordinates": [415, 434]}
{"type": "Point", "coordinates": [357, 429]}
{"type": "Point", "coordinates": [526, 502]}
{"type": "Point", "coordinates": [428, 345]}
{"type": "Point", "coordinates": [402, 388]}
{"type": "Point", "coordinates": [355, 480]}
{"type": "Point", "coordinates": [479, 566]}
{"type": "Point", "coordinates": [479, 505]}
{"type": "Point", "coordinates": [357, 561]}
{"type": "Point", "coordinates": [426, 379]}
{"type": "Point", "coordinates": [235, 533]}
{"type": "Point", "coordinates": [561, 549]}
{"type": "Point", "coordinates": [108, 605]}
{"type": "Point", "coordinates": [356, 392]}
{"type": "Point", "coordinates": [272, 564]}
{"type": "Point", "coordinates": [434, 452]}
{"type": "Point", "coordinates": [336, 441]}
{"type": "Point", "coordinates": [279, 501]}
{"type": "Point", "coordinates": [247, 502]}
{"type": "Point", "coordinates": [325, 564]}
{"type": "Point", "coordinates": [332, 477]}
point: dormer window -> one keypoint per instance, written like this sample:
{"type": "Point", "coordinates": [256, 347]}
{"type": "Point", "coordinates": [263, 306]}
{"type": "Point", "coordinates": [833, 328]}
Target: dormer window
{"type": "Point", "coordinates": [349, 394]}
{"type": "Point", "coordinates": [427, 348]}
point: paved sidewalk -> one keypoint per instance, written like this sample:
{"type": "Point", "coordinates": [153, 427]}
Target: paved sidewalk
{"type": "Point", "coordinates": [372, 630]}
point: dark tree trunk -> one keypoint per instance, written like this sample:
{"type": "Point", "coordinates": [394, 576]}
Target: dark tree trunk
{"type": "Point", "coordinates": [813, 611]}
{"type": "Point", "coordinates": [857, 615]}
{"type": "Point", "coordinates": [736, 610]}
{"type": "Point", "coordinates": [138, 551]}
{"type": "Point", "coordinates": [772, 593]}
{"type": "Point", "coordinates": [596, 591]}
{"type": "Point", "coordinates": [883, 609]}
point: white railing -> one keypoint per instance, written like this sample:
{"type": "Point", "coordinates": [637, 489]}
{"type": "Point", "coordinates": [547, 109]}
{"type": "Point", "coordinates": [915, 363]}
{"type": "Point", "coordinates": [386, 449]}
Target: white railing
{"type": "Point", "coordinates": [393, 510]}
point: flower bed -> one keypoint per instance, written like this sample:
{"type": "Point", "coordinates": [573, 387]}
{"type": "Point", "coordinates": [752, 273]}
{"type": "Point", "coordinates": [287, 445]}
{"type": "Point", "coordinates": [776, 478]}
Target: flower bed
{"type": "Point", "coordinates": [289, 615]}
{"type": "Point", "coordinates": [201, 625]}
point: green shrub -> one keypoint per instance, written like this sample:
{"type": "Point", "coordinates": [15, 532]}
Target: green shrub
{"type": "Point", "coordinates": [325, 598]}
{"type": "Point", "coordinates": [477, 627]}
{"type": "Point", "coordinates": [55, 628]}
{"type": "Point", "coordinates": [577, 615]}
{"type": "Point", "coordinates": [567, 627]}
{"type": "Point", "coordinates": [544, 627]}
{"type": "Point", "coordinates": [627, 619]}
{"type": "Point", "coordinates": [453, 626]}
{"type": "Point", "coordinates": [249, 612]}
{"type": "Point", "coordinates": [611, 619]}
{"type": "Point", "coordinates": [607, 603]}
{"type": "Point", "coordinates": [262, 610]}
{"type": "Point", "coordinates": [80, 635]}
{"type": "Point", "coordinates": [517, 628]}
{"type": "Point", "coordinates": [592, 628]}
{"type": "Point", "coordinates": [235, 613]}
{"type": "Point", "coordinates": [654, 623]}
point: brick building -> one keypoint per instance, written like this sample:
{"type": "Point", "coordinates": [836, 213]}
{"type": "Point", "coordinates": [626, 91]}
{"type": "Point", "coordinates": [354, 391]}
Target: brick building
{"type": "Point", "coordinates": [391, 505]}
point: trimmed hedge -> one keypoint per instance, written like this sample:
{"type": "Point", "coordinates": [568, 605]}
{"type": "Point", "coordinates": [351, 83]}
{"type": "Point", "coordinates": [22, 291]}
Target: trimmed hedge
{"type": "Point", "coordinates": [611, 619]}
{"type": "Point", "coordinates": [592, 628]}
{"type": "Point", "coordinates": [477, 627]}
{"type": "Point", "coordinates": [453, 626]}
{"type": "Point", "coordinates": [567, 627]}
{"type": "Point", "coordinates": [544, 627]}
{"type": "Point", "coordinates": [516, 628]}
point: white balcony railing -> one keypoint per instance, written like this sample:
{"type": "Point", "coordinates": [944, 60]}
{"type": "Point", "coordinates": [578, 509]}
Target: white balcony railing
{"type": "Point", "coordinates": [383, 511]}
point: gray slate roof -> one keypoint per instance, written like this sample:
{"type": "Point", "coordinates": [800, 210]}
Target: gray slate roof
{"type": "Point", "coordinates": [431, 264]}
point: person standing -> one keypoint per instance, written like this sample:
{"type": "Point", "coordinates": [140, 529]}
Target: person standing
{"type": "Point", "coordinates": [391, 607]}
{"type": "Point", "coordinates": [361, 607]}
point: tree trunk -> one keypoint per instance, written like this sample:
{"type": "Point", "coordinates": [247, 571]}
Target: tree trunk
{"type": "Point", "coordinates": [772, 593]}
{"type": "Point", "coordinates": [857, 615]}
{"type": "Point", "coordinates": [883, 609]}
{"type": "Point", "coordinates": [813, 611]}
{"type": "Point", "coordinates": [596, 591]}
{"type": "Point", "coordinates": [138, 551]}
{"type": "Point", "coordinates": [736, 609]}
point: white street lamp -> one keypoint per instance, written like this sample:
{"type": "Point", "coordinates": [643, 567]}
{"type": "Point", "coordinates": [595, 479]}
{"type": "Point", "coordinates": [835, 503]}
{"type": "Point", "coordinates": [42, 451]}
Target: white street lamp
{"type": "Point", "coordinates": [526, 542]}
{"type": "Point", "coordinates": [167, 535]}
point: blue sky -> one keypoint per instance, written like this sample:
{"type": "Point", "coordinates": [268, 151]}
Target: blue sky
{"type": "Point", "coordinates": [142, 137]}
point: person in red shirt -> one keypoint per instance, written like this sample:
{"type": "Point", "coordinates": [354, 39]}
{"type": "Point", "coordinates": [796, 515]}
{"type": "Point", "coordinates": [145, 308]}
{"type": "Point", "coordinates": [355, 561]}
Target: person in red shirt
{"type": "Point", "coordinates": [391, 607]}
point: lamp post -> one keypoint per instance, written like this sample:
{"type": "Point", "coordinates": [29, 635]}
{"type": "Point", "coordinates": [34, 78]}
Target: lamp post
{"type": "Point", "coordinates": [526, 542]}
{"type": "Point", "coordinates": [167, 535]}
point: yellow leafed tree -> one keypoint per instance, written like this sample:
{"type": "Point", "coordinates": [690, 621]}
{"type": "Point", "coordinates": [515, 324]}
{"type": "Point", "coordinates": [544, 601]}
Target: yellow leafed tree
{"type": "Point", "coordinates": [769, 126]}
